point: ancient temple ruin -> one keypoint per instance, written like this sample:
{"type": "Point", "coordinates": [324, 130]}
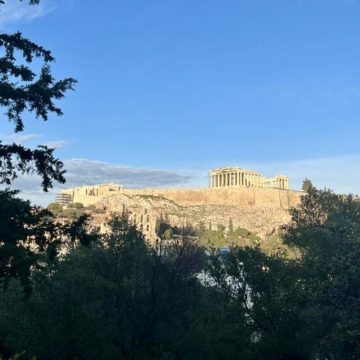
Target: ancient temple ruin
{"type": "Point", "coordinates": [236, 176]}
{"type": "Point", "coordinates": [88, 194]}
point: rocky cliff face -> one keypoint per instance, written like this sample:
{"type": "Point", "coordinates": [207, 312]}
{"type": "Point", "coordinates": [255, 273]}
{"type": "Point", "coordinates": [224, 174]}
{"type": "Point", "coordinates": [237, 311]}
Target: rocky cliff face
{"type": "Point", "coordinates": [146, 207]}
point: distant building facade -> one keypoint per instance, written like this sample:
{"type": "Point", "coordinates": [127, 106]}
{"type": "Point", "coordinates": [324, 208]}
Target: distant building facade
{"type": "Point", "coordinates": [236, 176]}
{"type": "Point", "coordinates": [64, 198]}
{"type": "Point", "coordinates": [88, 195]}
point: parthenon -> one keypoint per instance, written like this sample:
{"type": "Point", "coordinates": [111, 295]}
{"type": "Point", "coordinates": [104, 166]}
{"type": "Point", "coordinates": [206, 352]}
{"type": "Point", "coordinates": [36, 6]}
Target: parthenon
{"type": "Point", "coordinates": [235, 176]}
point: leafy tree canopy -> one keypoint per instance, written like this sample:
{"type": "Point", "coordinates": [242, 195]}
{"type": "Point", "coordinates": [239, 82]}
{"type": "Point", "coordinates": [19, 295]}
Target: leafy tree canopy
{"type": "Point", "coordinates": [307, 185]}
{"type": "Point", "coordinates": [22, 89]}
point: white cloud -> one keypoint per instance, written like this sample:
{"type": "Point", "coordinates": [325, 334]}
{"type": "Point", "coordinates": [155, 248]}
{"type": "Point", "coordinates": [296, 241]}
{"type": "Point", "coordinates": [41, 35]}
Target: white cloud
{"type": "Point", "coordinates": [90, 172]}
{"type": "Point", "coordinates": [58, 144]}
{"type": "Point", "coordinates": [14, 11]}
{"type": "Point", "coordinates": [19, 138]}
{"type": "Point", "coordinates": [83, 171]}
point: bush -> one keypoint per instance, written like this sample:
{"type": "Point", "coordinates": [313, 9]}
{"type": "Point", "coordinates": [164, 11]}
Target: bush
{"type": "Point", "coordinates": [71, 213]}
{"type": "Point", "coordinates": [55, 208]}
{"type": "Point", "coordinates": [76, 205]}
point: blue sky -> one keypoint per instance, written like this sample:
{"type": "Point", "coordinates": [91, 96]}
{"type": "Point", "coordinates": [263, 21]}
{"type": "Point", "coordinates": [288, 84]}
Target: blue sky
{"type": "Point", "coordinates": [174, 88]}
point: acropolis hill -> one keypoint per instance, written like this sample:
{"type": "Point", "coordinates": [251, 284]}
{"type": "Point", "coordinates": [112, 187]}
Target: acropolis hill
{"type": "Point", "coordinates": [250, 200]}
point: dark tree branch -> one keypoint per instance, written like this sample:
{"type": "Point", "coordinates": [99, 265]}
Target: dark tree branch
{"type": "Point", "coordinates": [20, 89]}
{"type": "Point", "coordinates": [16, 159]}
{"type": "Point", "coordinates": [23, 90]}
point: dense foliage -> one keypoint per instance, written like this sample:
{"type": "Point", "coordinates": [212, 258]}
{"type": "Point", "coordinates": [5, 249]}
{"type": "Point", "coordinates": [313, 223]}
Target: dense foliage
{"type": "Point", "coordinates": [113, 296]}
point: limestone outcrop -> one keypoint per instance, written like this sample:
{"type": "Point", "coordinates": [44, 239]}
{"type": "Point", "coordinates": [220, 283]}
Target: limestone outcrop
{"type": "Point", "coordinates": [257, 212]}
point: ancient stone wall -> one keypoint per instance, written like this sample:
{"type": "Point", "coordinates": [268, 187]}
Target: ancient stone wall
{"type": "Point", "coordinates": [244, 197]}
{"type": "Point", "coordinates": [228, 196]}
{"type": "Point", "coordinates": [88, 195]}
{"type": "Point", "coordinates": [144, 220]}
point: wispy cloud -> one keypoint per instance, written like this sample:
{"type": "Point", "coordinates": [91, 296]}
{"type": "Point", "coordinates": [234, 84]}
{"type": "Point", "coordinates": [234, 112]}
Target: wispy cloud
{"type": "Point", "coordinates": [90, 172]}
{"type": "Point", "coordinates": [20, 138]}
{"type": "Point", "coordinates": [14, 11]}
{"type": "Point", "coordinates": [83, 171]}
{"type": "Point", "coordinates": [30, 138]}
{"type": "Point", "coordinates": [58, 144]}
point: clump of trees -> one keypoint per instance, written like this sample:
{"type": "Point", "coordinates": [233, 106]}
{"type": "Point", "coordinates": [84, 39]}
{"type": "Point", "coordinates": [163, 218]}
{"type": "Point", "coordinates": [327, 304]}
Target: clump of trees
{"type": "Point", "coordinates": [113, 296]}
{"type": "Point", "coordinates": [70, 211]}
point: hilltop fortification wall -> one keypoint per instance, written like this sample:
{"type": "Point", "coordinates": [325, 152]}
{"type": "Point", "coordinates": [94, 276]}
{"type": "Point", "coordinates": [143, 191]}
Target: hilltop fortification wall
{"type": "Point", "coordinates": [227, 196]}
{"type": "Point", "coordinates": [241, 196]}
{"type": "Point", "coordinates": [231, 196]}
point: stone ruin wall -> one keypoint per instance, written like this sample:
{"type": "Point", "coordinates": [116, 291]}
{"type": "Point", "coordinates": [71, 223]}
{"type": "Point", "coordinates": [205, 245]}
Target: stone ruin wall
{"type": "Point", "coordinates": [234, 196]}
{"type": "Point", "coordinates": [145, 222]}
{"type": "Point", "coordinates": [90, 195]}
{"type": "Point", "coordinates": [242, 197]}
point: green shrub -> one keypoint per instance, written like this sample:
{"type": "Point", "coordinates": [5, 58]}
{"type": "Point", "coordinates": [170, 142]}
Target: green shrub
{"type": "Point", "coordinates": [55, 208]}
